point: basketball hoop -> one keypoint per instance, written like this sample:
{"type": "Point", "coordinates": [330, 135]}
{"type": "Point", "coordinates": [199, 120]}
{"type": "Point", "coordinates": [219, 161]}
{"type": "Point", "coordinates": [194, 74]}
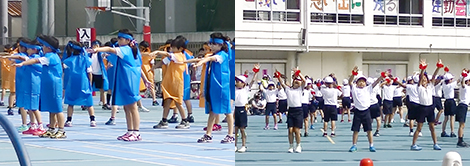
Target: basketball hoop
{"type": "Point", "coordinates": [92, 12]}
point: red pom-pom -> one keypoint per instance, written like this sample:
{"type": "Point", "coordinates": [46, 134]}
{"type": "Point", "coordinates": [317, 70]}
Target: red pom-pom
{"type": "Point", "coordinates": [464, 74]}
{"type": "Point", "coordinates": [339, 87]}
{"type": "Point", "coordinates": [440, 65]}
{"type": "Point", "coordinates": [446, 69]}
{"type": "Point", "coordinates": [383, 74]}
{"type": "Point", "coordinates": [395, 79]}
{"type": "Point", "coordinates": [246, 76]}
{"type": "Point", "coordinates": [277, 74]}
{"type": "Point", "coordinates": [422, 67]}
{"type": "Point", "coordinates": [354, 73]}
{"type": "Point", "coordinates": [297, 73]}
{"type": "Point", "coordinates": [255, 70]}
{"type": "Point", "coordinates": [318, 84]}
{"type": "Point", "coordinates": [388, 80]}
{"type": "Point", "coordinates": [312, 92]}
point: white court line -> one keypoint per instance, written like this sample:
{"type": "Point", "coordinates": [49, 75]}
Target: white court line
{"type": "Point", "coordinates": [171, 153]}
{"type": "Point", "coordinates": [57, 161]}
{"type": "Point", "coordinates": [94, 154]}
{"type": "Point", "coordinates": [150, 155]}
{"type": "Point", "coordinates": [330, 162]}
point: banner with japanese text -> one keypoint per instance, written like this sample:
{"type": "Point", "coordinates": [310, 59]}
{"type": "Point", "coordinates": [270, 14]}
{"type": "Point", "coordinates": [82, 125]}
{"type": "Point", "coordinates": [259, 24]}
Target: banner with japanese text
{"type": "Point", "coordinates": [279, 5]}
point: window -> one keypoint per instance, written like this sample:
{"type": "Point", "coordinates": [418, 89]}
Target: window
{"type": "Point", "coordinates": [337, 11]}
{"type": "Point", "coordinates": [451, 13]}
{"type": "Point", "coordinates": [398, 12]}
{"type": "Point", "coordinates": [272, 10]}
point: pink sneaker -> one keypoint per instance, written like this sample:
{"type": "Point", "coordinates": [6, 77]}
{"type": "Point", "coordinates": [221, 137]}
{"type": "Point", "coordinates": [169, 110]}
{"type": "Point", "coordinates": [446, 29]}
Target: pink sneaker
{"type": "Point", "coordinates": [29, 131]}
{"type": "Point", "coordinates": [39, 132]}
{"type": "Point", "coordinates": [123, 136]}
{"type": "Point", "coordinates": [215, 127]}
{"type": "Point", "coordinates": [132, 137]}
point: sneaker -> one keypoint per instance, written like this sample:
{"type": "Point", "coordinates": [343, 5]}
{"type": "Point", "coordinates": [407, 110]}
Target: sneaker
{"type": "Point", "coordinates": [416, 148]}
{"type": "Point", "coordinates": [22, 128]}
{"type": "Point", "coordinates": [291, 150]}
{"type": "Point", "coordinates": [106, 107]}
{"type": "Point", "coordinates": [385, 126]}
{"type": "Point", "coordinates": [10, 112]}
{"type": "Point", "coordinates": [325, 134]}
{"type": "Point", "coordinates": [353, 148]}
{"type": "Point", "coordinates": [228, 139]}
{"type": "Point", "coordinates": [280, 121]}
{"type": "Point", "coordinates": [376, 134]}
{"type": "Point", "coordinates": [389, 126]}
{"type": "Point", "coordinates": [183, 125]}
{"type": "Point", "coordinates": [266, 128]}
{"type": "Point", "coordinates": [190, 118]}
{"type": "Point", "coordinates": [100, 104]}
{"type": "Point", "coordinates": [349, 120]}
{"type": "Point", "coordinates": [205, 139]}
{"type": "Point", "coordinates": [161, 125]}
{"type": "Point", "coordinates": [436, 147]}
{"type": "Point", "coordinates": [215, 127]}
{"type": "Point", "coordinates": [68, 124]}
{"type": "Point", "coordinates": [173, 119]}
{"type": "Point", "coordinates": [93, 124]}
{"type": "Point", "coordinates": [242, 149]}
{"type": "Point", "coordinates": [444, 134]}
{"type": "Point", "coordinates": [47, 134]}
{"type": "Point", "coordinates": [412, 134]}
{"type": "Point", "coordinates": [29, 131]}
{"type": "Point", "coordinates": [315, 121]}
{"type": "Point", "coordinates": [224, 121]}
{"type": "Point", "coordinates": [305, 134]}
{"type": "Point", "coordinates": [402, 121]}
{"type": "Point", "coordinates": [406, 125]}
{"type": "Point", "coordinates": [311, 127]}
{"type": "Point", "coordinates": [39, 132]}
{"type": "Point", "coordinates": [143, 109]}
{"type": "Point", "coordinates": [2, 103]}
{"type": "Point", "coordinates": [275, 127]}
{"type": "Point", "coordinates": [342, 120]}
{"type": "Point", "coordinates": [452, 134]}
{"type": "Point", "coordinates": [420, 134]}
{"type": "Point", "coordinates": [298, 149]}
{"type": "Point", "coordinates": [462, 145]}
{"type": "Point", "coordinates": [58, 135]}
{"type": "Point", "coordinates": [372, 149]}
{"type": "Point", "coordinates": [123, 136]}
{"type": "Point", "coordinates": [132, 137]}
{"type": "Point", "coordinates": [155, 103]}
{"type": "Point", "coordinates": [110, 122]}
{"type": "Point", "coordinates": [333, 135]}
{"type": "Point", "coordinates": [83, 108]}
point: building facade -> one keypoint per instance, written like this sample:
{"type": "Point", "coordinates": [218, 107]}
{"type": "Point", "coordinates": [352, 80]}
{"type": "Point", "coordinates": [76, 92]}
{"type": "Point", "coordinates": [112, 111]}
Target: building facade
{"type": "Point", "coordinates": [333, 36]}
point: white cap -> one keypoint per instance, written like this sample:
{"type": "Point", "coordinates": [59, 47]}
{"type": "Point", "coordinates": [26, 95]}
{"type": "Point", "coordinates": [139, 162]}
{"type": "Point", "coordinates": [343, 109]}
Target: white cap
{"type": "Point", "coordinates": [452, 159]}
{"type": "Point", "coordinates": [345, 81]}
{"type": "Point", "coordinates": [359, 76]}
{"type": "Point", "coordinates": [271, 83]}
{"type": "Point", "coordinates": [466, 78]}
{"type": "Point", "coordinates": [448, 76]}
{"type": "Point", "coordinates": [241, 78]}
{"type": "Point", "coordinates": [429, 77]}
{"type": "Point", "coordinates": [398, 78]}
{"type": "Point", "coordinates": [308, 81]}
{"type": "Point", "coordinates": [329, 80]}
{"type": "Point", "coordinates": [409, 78]}
{"type": "Point", "coordinates": [416, 78]}
{"type": "Point", "coordinates": [370, 80]}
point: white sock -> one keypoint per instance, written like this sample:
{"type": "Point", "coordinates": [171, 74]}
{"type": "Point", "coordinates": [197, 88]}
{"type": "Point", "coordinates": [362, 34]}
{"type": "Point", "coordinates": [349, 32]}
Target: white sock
{"type": "Point", "coordinates": [136, 132]}
{"type": "Point", "coordinates": [371, 145]}
{"type": "Point", "coordinates": [129, 132]}
{"type": "Point", "coordinates": [291, 145]}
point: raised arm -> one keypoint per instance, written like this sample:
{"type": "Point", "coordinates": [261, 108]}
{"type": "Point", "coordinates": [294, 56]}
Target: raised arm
{"type": "Point", "coordinates": [278, 76]}
{"type": "Point", "coordinates": [256, 70]}
{"type": "Point", "coordinates": [439, 65]}
{"type": "Point", "coordinates": [422, 67]}
{"type": "Point", "coordinates": [297, 73]}
{"type": "Point", "coordinates": [161, 53]}
{"type": "Point", "coordinates": [354, 73]}
{"type": "Point", "coordinates": [464, 74]}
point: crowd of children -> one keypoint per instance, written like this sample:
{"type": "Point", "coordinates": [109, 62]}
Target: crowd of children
{"type": "Point", "coordinates": [305, 98]}
{"type": "Point", "coordinates": [41, 78]}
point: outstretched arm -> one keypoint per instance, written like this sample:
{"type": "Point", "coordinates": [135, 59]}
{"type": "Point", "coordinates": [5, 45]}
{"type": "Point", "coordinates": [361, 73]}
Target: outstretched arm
{"type": "Point", "coordinates": [439, 66]}
{"type": "Point", "coordinates": [23, 58]}
{"type": "Point", "coordinates": [354, 73]}
{"type": "Point", "coordinates": [28, 62]}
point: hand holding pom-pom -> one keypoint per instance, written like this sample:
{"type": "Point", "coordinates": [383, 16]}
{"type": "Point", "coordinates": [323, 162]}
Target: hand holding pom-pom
{"type": "Point", "coordinates": [439, 64]}
{"type": "Point", "coordinates": [446, 69]}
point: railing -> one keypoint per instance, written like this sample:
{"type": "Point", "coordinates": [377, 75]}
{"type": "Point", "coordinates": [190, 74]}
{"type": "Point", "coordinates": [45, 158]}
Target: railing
{"type": "Point", "coordinates": [16, 140]}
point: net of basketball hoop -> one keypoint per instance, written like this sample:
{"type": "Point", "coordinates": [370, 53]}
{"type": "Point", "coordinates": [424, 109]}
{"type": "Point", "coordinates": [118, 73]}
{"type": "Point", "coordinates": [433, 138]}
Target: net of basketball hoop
{"type": "Point", "coordinates": [92, 12]}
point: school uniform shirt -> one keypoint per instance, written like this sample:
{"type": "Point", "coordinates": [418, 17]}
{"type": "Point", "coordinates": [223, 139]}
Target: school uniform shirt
{"type": "Point", "coordinates": [95, 65]}
{"type": "Point", "coordinates": [330, 96]}
{"type": "Point", "coordinates": [281, 94]}
{"type": "Point", "coordinates": [373, 97]}
{"type": "Point", "coordinates": [317, 91]}
{"type": "Point", "coordinates": [449, 90]}
{"type": "Point", "coordinates": [425, 95]}
{"type": "Point", "coordinates": [98, 68]}
{"type": "Point", "coordinates": [438, 90]}
{"type": "Point", "coordinates": [398, 91]}
{"type": "Point", "coordinates": [306, 96]}
{"type": "Point", "coordinates": [271, 95]}
{"type": "Point", "coordinates": [362, 97]}
{"type": "Point", "coordinates": [464, 94]}
{"type": "Point", "coordinates": [217, 84]}
{"type": "Point", "coordinates": [241, 96]}
{"type": "Point", "coordinates": [388, 92]}
{"type": "Point", "coordinates": [78, 90]}
{"type": "Point", "coordinates": [412, 92]}
{"type": "Point", "coordinates": [346, 91]}
{"type": "Point", "coordinates": [32, 84]}
{"type": "Point", "coordinates": [294, 97]}
{"type": "Point", "coordinates": [51, 80]}
{"type": "Point", "coordinates": [127, 77]}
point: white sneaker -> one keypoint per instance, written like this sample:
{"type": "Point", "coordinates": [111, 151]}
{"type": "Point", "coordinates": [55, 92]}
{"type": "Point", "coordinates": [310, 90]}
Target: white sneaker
{"type": "Point", "coordinates": [420, 134]}
{"type": "Point", "coordinates": [100, 104]}
{"type": "Point", "coordinates": [402, 120]}
{"type": "Point", "coordinates": [236, 149]}
{"type": "Point", "coordinates": [411, 134]}
{"type": "Point", "coordinates": [393, 120]}
{"type": "Point", "coordinates": [298, 149]}
{"type": "Point", "coordinates": [291, 150]}
{"type": "Point", "coordinates": [143, 109]}
{"type": "Point", "coordinates": [242, 149]}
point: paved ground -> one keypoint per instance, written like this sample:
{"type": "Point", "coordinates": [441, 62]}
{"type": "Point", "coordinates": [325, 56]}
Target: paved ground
{"type": "Point", "coordinates": [98, 146]}
{"type": "Point", "coordinates": [269, 147]}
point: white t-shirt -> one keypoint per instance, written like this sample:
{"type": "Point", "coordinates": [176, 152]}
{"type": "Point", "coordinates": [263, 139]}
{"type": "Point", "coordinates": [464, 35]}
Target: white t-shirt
{"type": "Point", "coordinates": [449, 90]}
{"type": "Point", "coordinates": [293, 97]}
{"type": "Point", "coordinates": [464, 95]}
{"type": "Point", "coordinates": [241, 96]}
{"type": "Point", "coordinates": [398, 91]}
{"type": "Point", "coordinates": [95, 65]}
{"type": "Point", "coordinates": [412, 92]}
{"type": "Point", "coordinates": [317, 91]}
{"type": "Point", "coordinates": [373, 95]}
{"type": "Point", "coordinates": [330, 96]}
{"type": "Point", "coordinates": [346, 91]}
{"type": "Point", "coordinates": [362, 97]}
{"type": "Point", "coordinates": [281, 94]}
{"type": "Point", "coordinates": [425, 95]}
{"type": "Point", "coordinates": [271, 95]}
{"type": "Point", "coordinates": [438, 90]}
{"type": "Point", "coordinates": [306, 96]}
{"type": "Point", "coordinates": [388, 92]}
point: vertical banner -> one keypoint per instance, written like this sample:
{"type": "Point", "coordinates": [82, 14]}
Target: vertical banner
{"type": "Point", "coordinates": [379, 7]}
{"type": "Point", "coordinates": [86, 36]}
{"type": "Point", "coordinates": [437, 7]}
{"type": "Point", "coordinates": [391, 7]}
{"type": "Point", "coordinates": [449, 8]}
{"type": "Point", "coordinates": [356, 7]}
{"type": "Point", "coordinates": [460, 8]}
{"type": "Point", "coordinates": [147, 34]}
{"type": "Point", "coordinates": [279, 5]}
{"type": "Point", "coordinates": [343, 6]}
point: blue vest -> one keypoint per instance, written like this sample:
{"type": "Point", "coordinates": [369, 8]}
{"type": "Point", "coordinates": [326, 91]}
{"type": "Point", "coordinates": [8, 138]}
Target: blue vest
{"type": "Point", "coordinates": [217, 85]}
{"type": "Point", "coordinates": [51, 88]}
{"type": "Point", "coordinates": [127, 77]}
{"type": "Point", "coordinates": [78, 90]}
